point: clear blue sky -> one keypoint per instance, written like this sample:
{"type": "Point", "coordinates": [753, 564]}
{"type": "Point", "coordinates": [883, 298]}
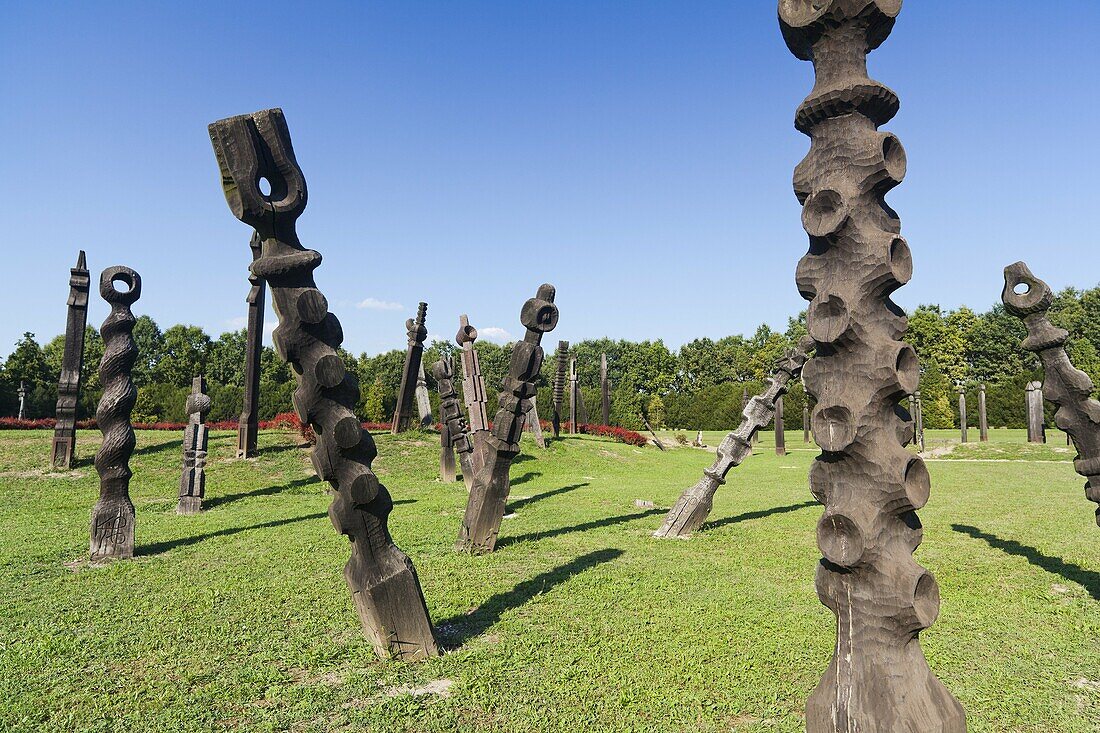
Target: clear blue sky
{"type": "Point", "coordinates": [638, 155]}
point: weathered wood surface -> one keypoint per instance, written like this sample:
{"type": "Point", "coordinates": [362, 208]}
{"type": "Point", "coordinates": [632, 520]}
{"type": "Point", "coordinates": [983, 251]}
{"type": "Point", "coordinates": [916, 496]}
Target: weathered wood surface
{"type": "Point", "coordinates": [112, 536]}
{"type": "Point", "coordinates": [1036, 419]}
{"type": "Point", "coordinates": [63, 449]}
{"type": "Point", "coordinates": [486, 503]}
{"type": "Point", "coordinates": [1066, 386]}
{"type": "Point", "coordinates": [870, 484]}
{"type": "Point", "coordinates": [693, 507]}
{"type": "Point", "coordinates": [983, 421]}
{"type": "Point", "coordinates": [382, 579]}
{"type": "Point", "coordinates": [780, 433]}
{"type": "Point", "coordinates": [414, 353]}
{"type": "Point", "coordinates": [423, 402]}
{"type": "Point", "coordinates": [534, 425]}
{"type": "Point", "coordinates": [473, 395]}
{"type": "Point", "coordinates": [455, 436]}
{"type": "Point", "coordinates": [195, 443]}
{"type": "Point", "coordinates": [962, 414]}
{"type": "Point", "coordinates": [560, 379]}
{"type": "Point", "coordinates": [573, 398]}
{"type": "Point", "coordinates": [248, 424]}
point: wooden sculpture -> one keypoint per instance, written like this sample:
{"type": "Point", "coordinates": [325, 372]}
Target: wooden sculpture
{"type": "Point", "coordinates": [1070, 389]}
{"type": "Point", "coordinates": [402, 414]}
{"type": "Point", "coordinates": [457, 439]}
{"type": "Point", "coordinates": [962, 413]}
{"type": "Point", "coordinates": [195, 441]}
{"type": "Point", "coordinates": [869, 483]}
{"type": "Point", "coordinates": [983, 421]}
{"type": "Point", "coordinates": [113, 514]}
{"type": "Point", "coordinates": [382, 579]}
{"type": "Point", "coordinates": [423, 402]}
{"type": "Point", "coordinates": [474, 395]}
{"type": "Point", "coordinates": [72, 365]}
{"type": "Point", "coordinates": [693, 507]}
{"type": "Point", "coordinates": [485, 507]}
{"type": "Point", "coordinates": [562, 365]}
{"type": "Point", "coordinates": [248, 425]}
{"type": "Point", "coordinates": [780, 435]}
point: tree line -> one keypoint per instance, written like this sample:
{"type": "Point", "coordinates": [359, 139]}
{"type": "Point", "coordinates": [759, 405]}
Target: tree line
{"type": "Point", "coordinates": [700, 385]}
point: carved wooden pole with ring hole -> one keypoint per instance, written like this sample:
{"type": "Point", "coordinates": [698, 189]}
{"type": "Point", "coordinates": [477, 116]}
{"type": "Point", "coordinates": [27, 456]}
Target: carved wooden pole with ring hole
{"type": "Point", "coordinates": [870, 484]}
{"type": "Point", "coordinates": [382, 579]}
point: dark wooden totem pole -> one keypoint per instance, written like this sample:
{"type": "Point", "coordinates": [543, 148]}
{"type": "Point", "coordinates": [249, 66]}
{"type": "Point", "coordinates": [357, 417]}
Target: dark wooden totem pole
{"type": "Point", "coordinates": [423, 402]}
{"type": "Point", "coordinates": [605, 393]}
{"type": "Point", "coordinates": [1070, 389]}
{"type": "Point", "coordinates": [485, 507]}
{"type": "Point", "coordinates": [195, 441]}
{"type": "Point", "coordinates": [248, 425]}
{"type": "Point", "coordinates": [869, 483]}
{"type": "Point", "coordinates": [560, 376]}
{"type": "Point", "coordinates": [382, 579]}
{"type": "Point", "coordinates": [474, 395]}
{"type": "Point", "coordinates": [1036, 429]}
{"type": "Point", "coordinates": [72, 365]}
{"type": "Point", "coordinates": [454, 436]}
{"type": "Point", "coordinates": [780, 434]}
{"type": "Point", "coordinates": [962, 413]}
{"type": "Point", "coordinates": [983, 420]}
{"type": "Point", "coordinates": [113, 514]}
{"type": "Point", "coordinates": [694, 505]}
{"type": "Point", "coordinates": [402, 415]}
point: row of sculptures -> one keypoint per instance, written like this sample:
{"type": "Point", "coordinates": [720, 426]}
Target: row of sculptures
{"type": "Point", "coordinates": [860, 376]}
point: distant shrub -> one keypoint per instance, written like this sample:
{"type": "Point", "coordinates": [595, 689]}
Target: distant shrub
{"type": "Point", "coordinates": [608, 431]}
{"type": "Point", "coordinates": [681, 439]}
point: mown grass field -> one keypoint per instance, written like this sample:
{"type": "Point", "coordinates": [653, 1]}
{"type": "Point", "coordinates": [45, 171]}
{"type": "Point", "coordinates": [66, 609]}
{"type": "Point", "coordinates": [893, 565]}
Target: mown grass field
{"type": "Point", "coordinates": [239, 619]}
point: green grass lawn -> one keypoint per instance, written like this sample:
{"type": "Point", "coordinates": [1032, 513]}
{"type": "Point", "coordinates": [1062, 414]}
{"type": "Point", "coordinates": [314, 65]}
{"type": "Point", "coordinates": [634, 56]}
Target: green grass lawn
{"type": "Point", "coordinates": [239, 619]}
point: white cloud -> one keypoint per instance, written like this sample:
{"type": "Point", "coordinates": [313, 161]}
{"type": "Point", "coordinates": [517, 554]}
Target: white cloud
{"type": "Point", "coordinates": [237, 323]}
{"type": "Point", "coordinates": [379, 305]}
{"type": "Point", "coordinates": [493, 333]}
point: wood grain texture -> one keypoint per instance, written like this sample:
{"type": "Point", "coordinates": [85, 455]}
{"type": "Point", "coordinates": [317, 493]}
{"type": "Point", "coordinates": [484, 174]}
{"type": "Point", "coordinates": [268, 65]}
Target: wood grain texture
{"type": "Point", "coordinates": [248, 424]}
{"type": "Point", "coordinates": [414, 353]}
{"type": "Point", "coordinates": [870, 484]}
{"type": "Point", "coordinates": [485, 505]}
{"type": "Point", "coordinates": [456, 437]}
{"type": "Point", "coordinates": [560, 377]}
{"type": "Point", "coordinates": [1066, 386]}
{"type": "Point", "coordinates": [195, 443]}
{"type": "Point", "coordinates": [63, 449]}
{"type": "Point", "coordinates": [382, 579]}
{"type": "Point", "coordinates": [113, 514]}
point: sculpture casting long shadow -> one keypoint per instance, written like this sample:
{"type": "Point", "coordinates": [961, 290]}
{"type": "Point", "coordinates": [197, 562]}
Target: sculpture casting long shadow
{"type": "Point", "coordinates": [265, 491]}
{"type": "Point", "coordinates": [1070, 571]}
{"type": "Point", "coordinates": [759, 514]}
{"type": "Point", "coordinates": [583, 527]}
{"type": "Point", "coordinates": [525, 478]}
{"type": "Point", "coordinates": [160, 547]}
{"type": "Point", "coordinates": [457, 630]}
{"type": "Point", "coordinates": [520, 503]}
{"type": "Point", "coordinates": [175, 442]}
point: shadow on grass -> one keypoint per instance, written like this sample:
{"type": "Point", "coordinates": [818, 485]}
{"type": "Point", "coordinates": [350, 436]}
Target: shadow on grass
{"type": "Point", "coordinates": [157, 447]}
{"type": "Point", "coordinates": [158, 548]}
{"type": "Point", "coordinates": [266, 491]}
{"type": "Point", "coordinates": [760, 514]}
{"type": "Point", "coordinates": [525, 478]}
{"type": "Point", "coordinates": [520, 503]}
{"type": "Point", "coordinates": [457, 630]}
{"type": "Point", "coordinates": [583, 527]}
{"type": "Point", "coordinates": [1058, 566]}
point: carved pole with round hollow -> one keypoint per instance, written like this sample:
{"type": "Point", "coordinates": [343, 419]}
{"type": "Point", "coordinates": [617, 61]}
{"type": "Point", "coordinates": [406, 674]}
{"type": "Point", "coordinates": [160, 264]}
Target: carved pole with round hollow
{"type": "Point", "coordinates": [870, 484]}
{"type": "Point", "coordinates": [381, 577]}
{"type": "Point", "coordinates": [113, 514]}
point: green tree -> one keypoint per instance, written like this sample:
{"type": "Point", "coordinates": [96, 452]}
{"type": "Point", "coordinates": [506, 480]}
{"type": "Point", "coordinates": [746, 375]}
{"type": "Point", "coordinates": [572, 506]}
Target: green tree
{"type": "Point", "coordinates": [225, 359]}
{"type": "Point", "coordinates": [373, 402]}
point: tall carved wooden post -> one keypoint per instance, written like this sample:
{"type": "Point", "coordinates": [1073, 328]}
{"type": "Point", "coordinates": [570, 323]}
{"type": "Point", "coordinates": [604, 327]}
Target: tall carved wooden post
{"type": "Point", "coordinates": [113, 515]}
{"type": "Point", "coordinates": [962, 411]}
{"type": "Point", "coordinates": [1035, 417]}
{"type": "Point", "coordinates": [534, 426]}
{"type": "Point", "coordinates": [1069, 388]}
{"type": "Point", "coordinates": [870, 485]}
{"type": "Point", "coordinates": [195, 441]}
{"type": "Point", "coordinates": [402, 414]}
{"type": "Point", "coordinates": [573, 396]}
{"type": "Point", "coordinates": [805, 423]}
{"type": "Point", "coordinates": [485, 507]}
{"type": "Point", "coordinates": [21, 393]}
{"type": "Point", "coordinates": [920, 422]}
{"type": "Point", "coordinates": [605, 393]}
{"type": "Point", "coordinates": [423, 402]}
{"type": "Point", "coordinates": [983, 422]}
{"type": "Point", "coordinates": [744, 404]}
{"type": "Point", "coordinates": [381, 578]}
{"type": "Point", "coordinates": [453, 435]}
{"type": "Point", "coordinates": [248, 424]}
{"type": "Point", "coordinates": [780, 437]}
{"type": "Point", "coordinates": [474, 395]}
{"type": "Point", "coordinates": [913, 412]}
{"type": "Point", "coordinates": [694, 505]}
{"type": "Point", "coordinates": [559, 384]}
{"type": "Point", "coordinates": [63, 450]}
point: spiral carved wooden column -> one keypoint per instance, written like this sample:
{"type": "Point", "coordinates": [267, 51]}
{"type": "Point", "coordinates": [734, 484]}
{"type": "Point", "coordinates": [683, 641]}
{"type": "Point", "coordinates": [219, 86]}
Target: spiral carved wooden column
{"type": "Point", "coordinates": [382, 579]}
{"type": "Point", "coordinates": [485, 507]}
{"type": "Point", "coordinates": [1069, 388]}
{"type": "Point", "coordinates": [561, 367]}
{"type": "Point", "coordinates": [870, 485]}
{"type": "Point", "coordinates": [113, 514]}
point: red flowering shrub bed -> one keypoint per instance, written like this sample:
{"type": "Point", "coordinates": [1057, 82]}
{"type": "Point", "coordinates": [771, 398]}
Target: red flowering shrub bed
{"type": "Point", "coordinates": [609, 431]}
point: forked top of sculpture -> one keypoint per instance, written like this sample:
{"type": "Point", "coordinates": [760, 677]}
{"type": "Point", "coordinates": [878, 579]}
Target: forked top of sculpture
{"type": "Point", "coordinates": [417, 331]}
{"type": "Point", "coordinates": [269, 157]}
{"type": "Point", "coordinates": [467, 334]}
